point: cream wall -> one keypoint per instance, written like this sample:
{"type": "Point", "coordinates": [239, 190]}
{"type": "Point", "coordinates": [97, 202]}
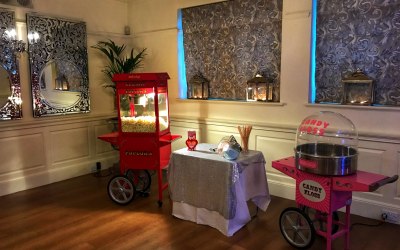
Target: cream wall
{"type": "Point", "coordinates": [38, 151]}
{"type": "Point", "coordinates": [154, 25]}
{"type": "Point", "coordinates": [101, 24]}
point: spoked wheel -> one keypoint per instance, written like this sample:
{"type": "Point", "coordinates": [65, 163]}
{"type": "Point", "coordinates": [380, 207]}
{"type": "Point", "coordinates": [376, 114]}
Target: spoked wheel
{"type": "Point", "coordinates": [320, 219]}
{"type": "Point", "coordinates": [121, 190]}
{"type": "Point", "coordinates": [141, 179]}
{"type": "Point", "coordinates": [297, 228]}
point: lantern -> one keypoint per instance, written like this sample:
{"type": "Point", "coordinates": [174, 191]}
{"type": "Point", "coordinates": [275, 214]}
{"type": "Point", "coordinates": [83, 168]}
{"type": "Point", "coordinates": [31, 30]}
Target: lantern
{"type": "Point", "coordinates": [198, 87]}
{"type": "Point", "coordinates": [358, 89]}
{"type": "Point", "coordinates": [259, 89]}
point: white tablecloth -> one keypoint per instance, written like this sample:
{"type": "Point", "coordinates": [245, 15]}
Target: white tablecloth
{"type": "Point", "coordinates": [208, 189]}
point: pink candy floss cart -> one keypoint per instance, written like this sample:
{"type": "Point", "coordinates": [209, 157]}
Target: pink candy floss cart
{"type": "Point", "coordinates": [325, 170]}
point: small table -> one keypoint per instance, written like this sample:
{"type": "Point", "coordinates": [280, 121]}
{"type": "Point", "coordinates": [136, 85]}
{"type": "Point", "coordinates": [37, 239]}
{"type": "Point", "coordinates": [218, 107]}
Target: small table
{"type": "Point", "coordinates": [208, 189]}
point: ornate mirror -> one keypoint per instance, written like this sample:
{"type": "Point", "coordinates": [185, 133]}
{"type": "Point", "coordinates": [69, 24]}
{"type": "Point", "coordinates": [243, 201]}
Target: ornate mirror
{"type": "Point", "coordinates": [59, 65]}
{"type": "Point", "coordinates": [10, 86]}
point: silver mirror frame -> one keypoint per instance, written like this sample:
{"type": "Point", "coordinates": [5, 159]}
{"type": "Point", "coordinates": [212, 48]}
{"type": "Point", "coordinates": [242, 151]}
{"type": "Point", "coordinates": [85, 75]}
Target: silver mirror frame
{"type": "Point", "coordinates": [51, 38]}
{"type": "Point", "coordinates": [9, 51]}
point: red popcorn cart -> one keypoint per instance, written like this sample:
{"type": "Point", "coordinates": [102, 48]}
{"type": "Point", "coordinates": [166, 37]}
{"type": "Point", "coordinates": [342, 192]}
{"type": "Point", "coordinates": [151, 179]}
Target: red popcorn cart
{"type": "Point", "coordinates": [325, 170]}
{"type": "Point", "coordinates": [143, 137]}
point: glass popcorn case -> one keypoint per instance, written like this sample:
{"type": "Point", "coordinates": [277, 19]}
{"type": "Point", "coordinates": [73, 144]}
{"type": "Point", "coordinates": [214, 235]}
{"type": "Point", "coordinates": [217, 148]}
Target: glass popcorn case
{"type": "Point", "coordinates": [143, 103]}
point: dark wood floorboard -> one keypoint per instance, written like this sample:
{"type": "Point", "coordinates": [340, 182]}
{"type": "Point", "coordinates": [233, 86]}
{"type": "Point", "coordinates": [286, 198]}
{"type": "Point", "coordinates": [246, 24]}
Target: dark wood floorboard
{"type": "Point", "coordinates": [78, 214]}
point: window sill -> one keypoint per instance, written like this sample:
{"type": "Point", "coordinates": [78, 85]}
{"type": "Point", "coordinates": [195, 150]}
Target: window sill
{"type": "Point", "coordinates": [357, 107]}
{"type": "Point", "coordinates": [235, 102]}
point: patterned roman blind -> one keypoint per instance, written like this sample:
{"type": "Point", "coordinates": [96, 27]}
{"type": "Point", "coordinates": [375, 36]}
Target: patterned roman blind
{"type": "Point", "coordinates": [356, 34]}
{"type": "Point", "coordinates": [229, 42]}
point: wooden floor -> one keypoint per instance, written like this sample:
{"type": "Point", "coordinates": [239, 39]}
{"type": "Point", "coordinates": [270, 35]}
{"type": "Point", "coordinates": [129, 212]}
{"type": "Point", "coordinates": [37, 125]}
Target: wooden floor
{"type": "Point", "coordinates": [78, 214]}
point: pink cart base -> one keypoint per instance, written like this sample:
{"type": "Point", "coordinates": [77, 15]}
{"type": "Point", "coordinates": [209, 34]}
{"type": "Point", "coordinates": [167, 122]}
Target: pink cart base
{"type": "Point", "coordinates": [327, 194]}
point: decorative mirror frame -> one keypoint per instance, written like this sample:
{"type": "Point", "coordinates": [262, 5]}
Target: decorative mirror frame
{"type": "Point", "coordinates": [55, 39]}
{"type": "Point", "coordinates": [9, 51]}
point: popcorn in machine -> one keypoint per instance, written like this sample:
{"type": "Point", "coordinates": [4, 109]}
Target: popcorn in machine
{"type": "Point", "coordinates": [143, 137]}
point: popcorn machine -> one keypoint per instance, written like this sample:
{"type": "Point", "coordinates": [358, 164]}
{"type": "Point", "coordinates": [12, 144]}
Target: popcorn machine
{"type": "Point", "coordinates": [143, 137]}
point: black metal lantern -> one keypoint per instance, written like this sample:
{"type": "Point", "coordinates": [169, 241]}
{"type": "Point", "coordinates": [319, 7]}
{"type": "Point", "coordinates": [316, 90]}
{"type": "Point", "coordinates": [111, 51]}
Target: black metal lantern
{"type": "Point", "coordinates": [259, 89]}
{"type": "Point", "coordinates": [198, 87]}
{"type": "Point", "coordinates": [358, 89]}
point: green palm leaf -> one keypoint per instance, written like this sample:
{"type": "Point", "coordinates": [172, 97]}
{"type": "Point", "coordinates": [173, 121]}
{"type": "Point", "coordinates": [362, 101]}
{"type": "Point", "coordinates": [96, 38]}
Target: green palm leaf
{"type": "Point", "coordinates": [117, 63]}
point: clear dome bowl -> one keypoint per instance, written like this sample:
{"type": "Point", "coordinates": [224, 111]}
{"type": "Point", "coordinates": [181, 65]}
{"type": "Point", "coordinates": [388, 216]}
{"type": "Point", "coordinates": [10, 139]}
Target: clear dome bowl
{"type": "Point", "coordinates": [327, 127]}
{"type": "Point", "coordinates": [326, 144]}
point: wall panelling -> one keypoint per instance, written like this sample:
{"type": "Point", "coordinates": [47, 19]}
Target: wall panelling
{"type": "Point", "coordinates": [14, 147]}
{"type": "Point", "coordinates": [67, 149]}
{"type": "Point", "coordinates": [377, 154]}
{"type": "Point", "coordinates": [35, 154]}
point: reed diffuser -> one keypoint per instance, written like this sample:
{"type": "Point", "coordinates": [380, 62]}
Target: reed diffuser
{"type": "Point", "coordinates": [244, 132]}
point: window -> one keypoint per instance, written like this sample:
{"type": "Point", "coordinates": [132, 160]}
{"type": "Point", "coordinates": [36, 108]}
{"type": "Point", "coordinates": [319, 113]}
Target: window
{"type": "Point", "coordinates": [229, 43]}
{"type": "Point", "coordinates": [351, 35]}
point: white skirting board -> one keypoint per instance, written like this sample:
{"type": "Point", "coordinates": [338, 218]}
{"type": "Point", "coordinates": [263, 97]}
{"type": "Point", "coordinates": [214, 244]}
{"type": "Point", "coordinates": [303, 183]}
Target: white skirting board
{"type": "Point", "coordinates": [52, 175]}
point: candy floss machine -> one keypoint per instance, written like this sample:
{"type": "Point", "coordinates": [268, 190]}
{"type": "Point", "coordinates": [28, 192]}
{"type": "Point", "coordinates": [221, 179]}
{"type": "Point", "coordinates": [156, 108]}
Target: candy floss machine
{"type": "Point", "coordinates": [143, 137]}
{"type": "Point", "coordinates": [324, 166]}
{"type": "Point", "coordinates": [326, 144]}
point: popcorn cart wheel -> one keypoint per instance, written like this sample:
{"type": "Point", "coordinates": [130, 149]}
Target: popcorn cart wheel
{"type": "Point", "coordinates": [121, 190]}
{"type": "Point", "coordinates": [119, 187]}
{"type": "Point", "coordinates": [141, 179]}
{"type": "Point", "coordinates": [297, 228]}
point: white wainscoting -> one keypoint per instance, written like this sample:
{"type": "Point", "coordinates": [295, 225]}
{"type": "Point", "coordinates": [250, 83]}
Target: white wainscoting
{"type": "Point", "coordinates": [51, 149]}
{"type": "Point", "coordinates": [376, 154]}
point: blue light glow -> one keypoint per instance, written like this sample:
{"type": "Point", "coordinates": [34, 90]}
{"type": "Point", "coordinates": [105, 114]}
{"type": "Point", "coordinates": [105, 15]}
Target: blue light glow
{"type": "Point", "coordinates": [181, 60]}
{"type": "Point", "coordinates": [313, 48]}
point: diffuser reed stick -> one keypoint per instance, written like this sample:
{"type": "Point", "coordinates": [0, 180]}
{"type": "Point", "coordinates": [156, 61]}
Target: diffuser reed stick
{"type": "Point", "coordinates": [244, 132]}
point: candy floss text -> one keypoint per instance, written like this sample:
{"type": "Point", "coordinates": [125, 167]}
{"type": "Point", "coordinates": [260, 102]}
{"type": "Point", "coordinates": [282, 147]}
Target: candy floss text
{"type": "Point", "coordinates": [312, 190]}
{"type": "Point", "coordinates": [315, 127]}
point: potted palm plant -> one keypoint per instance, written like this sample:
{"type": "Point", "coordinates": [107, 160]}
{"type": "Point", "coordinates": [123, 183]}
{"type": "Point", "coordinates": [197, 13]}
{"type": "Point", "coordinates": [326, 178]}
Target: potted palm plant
{"type": "Point", "coordinates": [118, 62]}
